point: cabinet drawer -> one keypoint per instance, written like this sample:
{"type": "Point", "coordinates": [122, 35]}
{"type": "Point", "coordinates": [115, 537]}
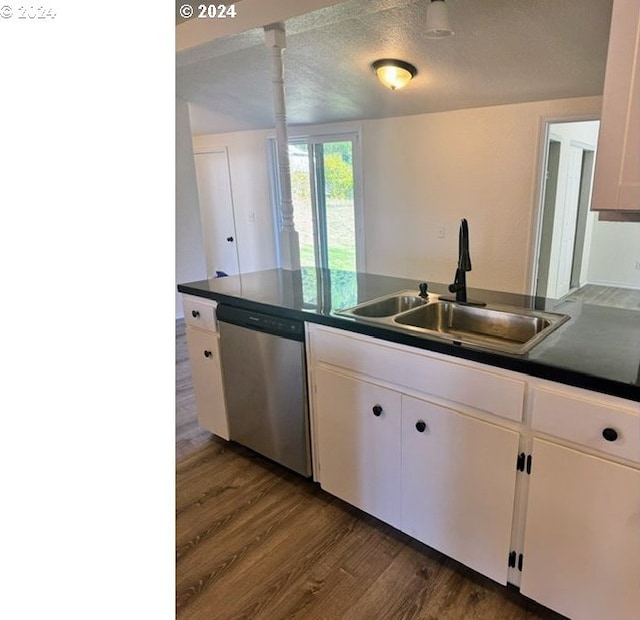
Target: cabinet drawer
{"type": "Point", "coordinates": [424, 372]}
{"type": "Point", "coordinates": [584, 420]}
{"type": "Point", "coordinates": [199, 313]}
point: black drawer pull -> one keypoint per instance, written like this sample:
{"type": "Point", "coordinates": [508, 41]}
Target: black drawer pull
{"type": "Point", "coordinates": [610, 434]}
{"type": "Point", "coordinates": [377, 410]}
{"type": "Point", "coordinates": [207, 353]}
{"type": "Point", "coordinates": [195, 314]}
{"type": "Point", "coordinates": [421, 426]}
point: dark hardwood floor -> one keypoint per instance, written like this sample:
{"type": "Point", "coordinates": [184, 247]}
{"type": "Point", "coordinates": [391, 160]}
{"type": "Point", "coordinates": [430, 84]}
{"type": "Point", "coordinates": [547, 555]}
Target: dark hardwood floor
{"type": "Point", "coordinates": [255, 540]}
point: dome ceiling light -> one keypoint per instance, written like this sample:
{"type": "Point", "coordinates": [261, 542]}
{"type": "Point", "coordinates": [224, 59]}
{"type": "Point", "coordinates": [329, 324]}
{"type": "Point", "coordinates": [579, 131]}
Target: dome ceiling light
{"type": "Point", "coordinates": [394, 74]}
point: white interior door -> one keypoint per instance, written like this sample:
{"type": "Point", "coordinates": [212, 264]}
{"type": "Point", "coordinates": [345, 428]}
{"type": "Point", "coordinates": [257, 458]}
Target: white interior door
{"type": "Point", "coordinates": [216, 212]}
{"type": "Point", "coordinates": [569, 221]}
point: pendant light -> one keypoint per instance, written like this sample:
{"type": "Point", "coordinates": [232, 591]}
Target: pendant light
{"type": "Point", "coordinates": [394, 74]}
{"type": "Point", "coordinates": [438, 20]}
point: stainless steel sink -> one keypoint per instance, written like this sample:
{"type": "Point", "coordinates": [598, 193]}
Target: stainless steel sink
{"type": "Point", "coordinates": [388, 306]}
{"type": "Point", "coordinates": [503, 328]}
{"type": "Point", "coordinates": [508, 330]}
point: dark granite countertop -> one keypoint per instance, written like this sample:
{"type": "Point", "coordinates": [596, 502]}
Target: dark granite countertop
{"type": "Point", "coordinates": [597, 349]}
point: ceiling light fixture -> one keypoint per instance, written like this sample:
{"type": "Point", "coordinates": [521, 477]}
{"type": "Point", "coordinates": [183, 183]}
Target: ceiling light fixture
{"type": "Point", "coordinates": [394, 74]}
{"type": "Point", "coordinates": [438, 20]}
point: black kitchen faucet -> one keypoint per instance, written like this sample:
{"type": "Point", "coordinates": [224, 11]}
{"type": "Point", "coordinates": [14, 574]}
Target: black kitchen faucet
{"type": "Point", "coordinates": [459, 286]}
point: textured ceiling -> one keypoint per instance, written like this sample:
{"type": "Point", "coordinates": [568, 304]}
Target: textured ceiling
{"type": "Point", "coordinates": [503, 51]}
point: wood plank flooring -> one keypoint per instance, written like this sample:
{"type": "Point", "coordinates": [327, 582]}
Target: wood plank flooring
{"type": "Point", "coordinates": [256, 541]}
{"type": "Point", "coordinates": [611, 296]}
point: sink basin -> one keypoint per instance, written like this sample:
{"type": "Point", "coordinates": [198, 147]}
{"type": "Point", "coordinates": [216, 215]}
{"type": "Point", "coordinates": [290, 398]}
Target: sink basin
{"type": "Point", "coordinates": [508, 330]}
{"type": "Point", "coordinates": [502, 328]}
{"type": "Point", "coordinates": [389, 306]}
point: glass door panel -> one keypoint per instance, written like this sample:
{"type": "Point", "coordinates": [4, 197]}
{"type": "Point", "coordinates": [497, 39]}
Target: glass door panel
{"type": "Point", "coordinates": [301, 195]}
{"type": "Point", "coordinates": [337, 165]}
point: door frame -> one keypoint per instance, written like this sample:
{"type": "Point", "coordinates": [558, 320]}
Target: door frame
{"type": "Point", "coordinates": [548, 213]}
{"type": "Point", "coordinates": [544, 124]}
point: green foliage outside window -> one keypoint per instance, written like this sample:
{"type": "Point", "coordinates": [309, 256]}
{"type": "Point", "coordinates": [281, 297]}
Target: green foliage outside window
{"type": "Point", "coordinates": [338, 177]}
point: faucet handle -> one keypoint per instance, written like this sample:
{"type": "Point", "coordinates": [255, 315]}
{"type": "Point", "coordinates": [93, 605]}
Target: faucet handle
{"type": "Point", "coordinates": [423, 289]}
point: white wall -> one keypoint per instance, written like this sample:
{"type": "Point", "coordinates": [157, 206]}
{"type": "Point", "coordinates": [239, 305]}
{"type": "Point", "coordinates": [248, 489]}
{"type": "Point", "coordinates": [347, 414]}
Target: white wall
{"type": "Point", "coordinates": [250, 188]}
{"type": "Point", "coordinates": [190, 260]}
{"type": "Point", "coordinates": [431, 170]}
{"type": "Point", "coordinates": [421, 172]}
{"type": "Point", "coordinates": [615, 250]}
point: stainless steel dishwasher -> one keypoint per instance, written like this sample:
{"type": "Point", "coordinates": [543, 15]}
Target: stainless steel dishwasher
{"type": "Point", "coordinates": [264, 379]}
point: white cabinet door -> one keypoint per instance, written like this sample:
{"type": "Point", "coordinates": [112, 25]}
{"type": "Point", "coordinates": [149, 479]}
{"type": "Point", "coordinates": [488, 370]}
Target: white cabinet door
{"type": "Point", "coordinates": [204, 357]}
{"type": "Point", "coordinates": [582, 535]}
{"type": "Point", "coordinates": [458, 485]}
{"type": "Point", "coordinates": [616, 184]}
{"type": "Point", "coordinates": [358, 439]}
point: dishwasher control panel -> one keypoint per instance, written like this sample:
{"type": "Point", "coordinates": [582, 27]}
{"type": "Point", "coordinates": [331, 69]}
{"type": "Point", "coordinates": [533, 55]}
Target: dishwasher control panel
{"type": "Point", "coordinates": [286, 328]}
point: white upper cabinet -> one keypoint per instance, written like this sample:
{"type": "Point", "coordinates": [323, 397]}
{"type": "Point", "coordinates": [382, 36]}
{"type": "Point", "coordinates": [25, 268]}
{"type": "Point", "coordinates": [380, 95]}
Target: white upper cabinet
{"type": "Point", "coordinates": [616, 189]}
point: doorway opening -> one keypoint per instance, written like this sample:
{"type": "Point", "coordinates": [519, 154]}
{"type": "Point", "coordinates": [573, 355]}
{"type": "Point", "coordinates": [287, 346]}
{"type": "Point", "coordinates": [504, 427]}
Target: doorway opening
{"type": "Point", "coordinates": [565, 226]}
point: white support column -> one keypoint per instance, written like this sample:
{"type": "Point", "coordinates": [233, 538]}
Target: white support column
{"type": "Point", "coordinates": [275, 40]}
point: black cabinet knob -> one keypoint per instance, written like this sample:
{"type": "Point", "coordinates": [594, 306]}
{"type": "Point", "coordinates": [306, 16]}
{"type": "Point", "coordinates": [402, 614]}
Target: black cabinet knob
{"type": "Point", "coordinates": [421, 426]}
{"type": "Point", "coordinates": [207, 353]}
{"type": "Point", "coordinates": [195, 314]}
{"type": "Point", "coordinates": [377, 410]}
{"type": "Point", "coordinates": [229, 239]}
{"type": "Point", "coordinates": [610, 434]}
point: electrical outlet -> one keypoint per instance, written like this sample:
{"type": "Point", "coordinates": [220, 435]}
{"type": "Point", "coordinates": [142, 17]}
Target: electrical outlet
{"type": "Point", "coordinates": [638, 265]}
{"type": "Point", "coordinates": [440, 232]}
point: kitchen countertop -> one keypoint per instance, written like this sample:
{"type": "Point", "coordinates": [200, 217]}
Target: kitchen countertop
{"type": "Point", "coordinates": [597, 349]}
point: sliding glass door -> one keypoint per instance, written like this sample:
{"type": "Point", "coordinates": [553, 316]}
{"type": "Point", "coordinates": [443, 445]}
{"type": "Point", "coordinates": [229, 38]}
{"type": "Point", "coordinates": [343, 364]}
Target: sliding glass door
{"type": "Point", "coordinates": [324, 187]}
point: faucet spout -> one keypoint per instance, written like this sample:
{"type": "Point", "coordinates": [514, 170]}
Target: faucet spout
{"type": "Point", "coordinates": [464, 258]}
{"type": "Point", "coordinates": [459, 286]}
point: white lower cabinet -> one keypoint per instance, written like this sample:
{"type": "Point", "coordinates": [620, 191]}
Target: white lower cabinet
{"type": "Point", "coordinates": [358, 442]}
{"type": "Point", "coordinates": [582, 535]}
{"type": "Point", "coordinates": [458, 485]}
{"type": "Point", "coordinates": [521, 479]}
{"type": "Point", "coordinates": [395, 435]}
{"type": "Point", "coordinates": [204, 358]}
{"type": "Point", "coordinates": [444, 478]}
